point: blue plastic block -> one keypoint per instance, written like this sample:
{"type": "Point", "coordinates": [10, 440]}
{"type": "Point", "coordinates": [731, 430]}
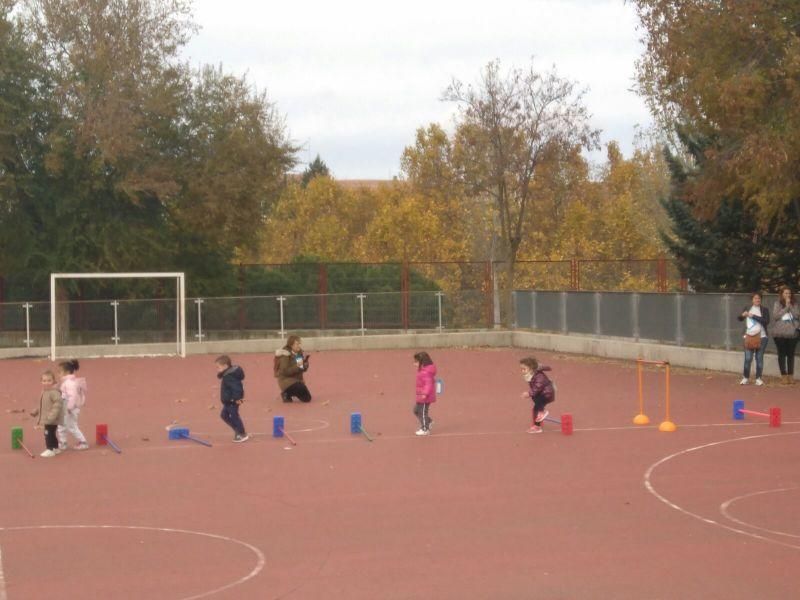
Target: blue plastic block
{"type": "Point", "coordinates": [277, 427]}
{"type": "Point", "coordinates": [738, 405]}
{"type": "Point", "coordinates": [178, 433]}
{"type": "Point", "coordinates": [355, 423]}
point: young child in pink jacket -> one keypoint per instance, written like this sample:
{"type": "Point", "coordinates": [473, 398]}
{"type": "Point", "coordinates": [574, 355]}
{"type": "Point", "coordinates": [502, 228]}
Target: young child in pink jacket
{"type": "Point", "coordinates": [426, 391]}
{"type": "Point", "coordinates": [73, 390]}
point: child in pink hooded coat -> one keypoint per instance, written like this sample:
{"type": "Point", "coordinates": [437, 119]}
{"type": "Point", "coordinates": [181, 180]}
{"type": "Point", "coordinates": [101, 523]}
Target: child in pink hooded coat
{"type": "Point", "coordinates": [73, 390]}
{"type": "Point", "coordinates": [426, 391]}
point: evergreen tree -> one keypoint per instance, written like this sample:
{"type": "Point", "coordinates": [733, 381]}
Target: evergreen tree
{"type": "Point", "coordinates": [317, 168]}
{"type": "Point", "coordinates": [726, 251]}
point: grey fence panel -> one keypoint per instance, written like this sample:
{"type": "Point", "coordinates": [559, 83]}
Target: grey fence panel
{"type": "Point", "coordinates": [548, 311]}
{"type": "Point", "coordinates": [523, 309]}
{"type": "Point", "coordinates": [658, 318]}
{"type": "Point", "coordinates": [581, 312]}
{"type": "Point", "coordinates": [616, 314]}
{"type": "Point", "coordinates": [705, 320]}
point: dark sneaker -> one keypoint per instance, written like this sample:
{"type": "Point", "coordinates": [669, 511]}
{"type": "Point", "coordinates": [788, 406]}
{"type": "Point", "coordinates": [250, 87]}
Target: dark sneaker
{"type": "Point", "coordinates": [240, 438]}
{"type": "Point", "coordinates": [285, 398]}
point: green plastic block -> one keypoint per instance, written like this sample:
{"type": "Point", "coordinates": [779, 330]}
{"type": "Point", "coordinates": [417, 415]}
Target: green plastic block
{"type": "Point", "coordinates": [16, 438]}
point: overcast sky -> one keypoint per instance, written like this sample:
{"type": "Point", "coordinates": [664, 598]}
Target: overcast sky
{"type": "Point", "coordinates": [355, 79]}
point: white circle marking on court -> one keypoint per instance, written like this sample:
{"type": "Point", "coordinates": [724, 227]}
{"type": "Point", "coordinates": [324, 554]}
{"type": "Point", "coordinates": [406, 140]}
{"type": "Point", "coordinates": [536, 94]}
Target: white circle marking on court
{"type": "Point", "coordinates": [650, 488]}
{"type": "Point", "coordinates": [727, 504]}
{"type": "Point", "coordinates": [260, 562]}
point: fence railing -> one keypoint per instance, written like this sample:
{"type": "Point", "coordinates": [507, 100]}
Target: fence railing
{"type": "Point", "coordinates": [629, 274]}
{"type": "Point", "coordinates": [701, 320]}
{"type": "Point", "coordinates": [124, 321]}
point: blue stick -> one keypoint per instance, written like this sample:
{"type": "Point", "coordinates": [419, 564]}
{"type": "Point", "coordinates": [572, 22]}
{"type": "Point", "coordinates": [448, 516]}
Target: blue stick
{"type": "Point", "coordinates": [194, 439]}
{"type": "Point", "coordinates": [112, 444]}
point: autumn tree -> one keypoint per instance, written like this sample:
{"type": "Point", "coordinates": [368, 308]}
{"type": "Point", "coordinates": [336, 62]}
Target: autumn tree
{"type": "Point", "coordinates": [508, 125]}
{"type": "Point", "coordinates": [142, 163]}
{"type": "Point", "coordinates": [729, 71]}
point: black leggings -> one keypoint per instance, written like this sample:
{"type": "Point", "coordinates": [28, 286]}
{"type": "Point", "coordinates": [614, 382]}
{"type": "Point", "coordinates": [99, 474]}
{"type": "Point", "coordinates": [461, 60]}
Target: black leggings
{"type": "Point", "coordinates": [299, 391]}
{"type": "Point", "coordinates": [50, 440]}
{"type": "Point", "coordinates": [786, 348]}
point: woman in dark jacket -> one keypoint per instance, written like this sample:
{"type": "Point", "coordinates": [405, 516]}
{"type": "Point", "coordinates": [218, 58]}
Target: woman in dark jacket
{"type": "Point", "coordinates": [784, 330]}
{"type": "Point", "coordinates": [756, 319]}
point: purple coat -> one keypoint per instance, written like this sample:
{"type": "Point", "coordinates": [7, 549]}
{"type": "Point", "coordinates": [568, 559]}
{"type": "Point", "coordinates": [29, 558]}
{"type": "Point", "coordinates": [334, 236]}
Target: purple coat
{"type": "Point", "coordinates": [541, 386]}
{"type": "Point", "coordinates": [426, 384]}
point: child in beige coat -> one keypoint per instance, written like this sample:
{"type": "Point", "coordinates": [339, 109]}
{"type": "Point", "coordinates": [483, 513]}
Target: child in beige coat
{"type": "Point", "coordinates": [50, 413]}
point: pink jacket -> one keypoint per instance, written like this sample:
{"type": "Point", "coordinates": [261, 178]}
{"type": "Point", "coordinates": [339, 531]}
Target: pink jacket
{"type": "Point", "coordinates": [426, 384]}
{"type": "Point", "coordinates": [73, 389]}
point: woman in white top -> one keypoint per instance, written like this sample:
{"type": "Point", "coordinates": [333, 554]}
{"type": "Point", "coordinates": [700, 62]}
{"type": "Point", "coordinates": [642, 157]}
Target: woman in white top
{"type": "Point", "coordinates": [756, 319]}
{"type": "Point", "coordinates": [784, 330]}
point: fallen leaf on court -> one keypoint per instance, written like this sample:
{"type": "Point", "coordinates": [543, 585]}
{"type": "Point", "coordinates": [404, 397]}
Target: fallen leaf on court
{"type": "Point", "coordinates": [211, 407]}
{"type": "Point", "coordinates": [145, 438]}
{"type": "Point", "coordinates": [15, 410]}
{"type": "Point", "coordinates": [326, 403]}
{"type": "Point", "coordinates": [180, 400]}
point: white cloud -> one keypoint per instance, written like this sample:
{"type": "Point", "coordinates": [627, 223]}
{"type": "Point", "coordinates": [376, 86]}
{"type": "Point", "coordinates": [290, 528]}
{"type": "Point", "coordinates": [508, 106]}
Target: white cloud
{"type": "Point", "coordinates": [355, 79]}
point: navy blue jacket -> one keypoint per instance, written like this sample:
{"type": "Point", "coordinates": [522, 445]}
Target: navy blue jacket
{"type": "Point", "coordinates": [231, 387]}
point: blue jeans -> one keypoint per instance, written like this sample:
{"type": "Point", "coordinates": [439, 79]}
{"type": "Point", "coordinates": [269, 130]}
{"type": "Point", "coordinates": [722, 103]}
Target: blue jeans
{"type": "Point", "coordinates": [748, 359]}
{"type": "Point", "coordinates": [230, 414]}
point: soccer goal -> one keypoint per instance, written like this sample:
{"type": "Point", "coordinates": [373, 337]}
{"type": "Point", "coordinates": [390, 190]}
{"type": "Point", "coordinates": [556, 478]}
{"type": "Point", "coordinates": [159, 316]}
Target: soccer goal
{"type": "Point", "coordinates": [117, 314]}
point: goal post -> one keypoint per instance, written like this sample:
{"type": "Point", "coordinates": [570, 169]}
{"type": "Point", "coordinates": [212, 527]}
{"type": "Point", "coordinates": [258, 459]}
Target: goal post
{"type": "Point", "coordinates": [180, 307]}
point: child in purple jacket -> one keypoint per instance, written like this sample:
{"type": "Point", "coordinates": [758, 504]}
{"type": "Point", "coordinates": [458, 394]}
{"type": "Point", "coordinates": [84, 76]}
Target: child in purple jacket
{"type": "Point", "coordinates": [541, 391]}
{"type": "Point", "coordinates": [426, 391]}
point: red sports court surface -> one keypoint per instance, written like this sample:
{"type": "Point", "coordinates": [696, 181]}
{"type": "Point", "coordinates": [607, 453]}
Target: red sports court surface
{"type": "Point", "coordinates": [480, 509]}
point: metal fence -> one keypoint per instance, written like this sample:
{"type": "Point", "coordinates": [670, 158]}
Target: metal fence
{"type": "Point", "coordinates": [118, 322]}
{"type": "Point", "coordinates": [699, 320]}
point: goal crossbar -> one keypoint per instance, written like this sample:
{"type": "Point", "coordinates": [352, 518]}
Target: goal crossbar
{"type": "Point", "coordinates": [180, 300]}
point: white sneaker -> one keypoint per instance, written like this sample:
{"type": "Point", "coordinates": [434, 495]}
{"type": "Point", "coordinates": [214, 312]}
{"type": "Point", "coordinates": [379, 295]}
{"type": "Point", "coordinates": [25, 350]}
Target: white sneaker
{"type": "Point", "coordinates": [759, 382]}
{"type": "Point", "coordinates": [542, 416]}
{"type": "Point", "coordinates": [744, 381]}
{"type": "Point", "coordinates": [81, 446]}
{"type": "Point", "coordinates": [47, 454]}
{"type": "Point", "coordinates": [423, 432]}
{"type": "Point", "coordinates": [62, 447]}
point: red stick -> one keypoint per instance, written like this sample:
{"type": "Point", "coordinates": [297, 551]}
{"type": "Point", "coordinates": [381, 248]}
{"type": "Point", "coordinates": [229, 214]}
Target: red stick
{"type": "Point", "coordinates": [753, 412]}
{"type": "Point", "coordinates": [24, 447]}
{"type": "Point", "coordinates": [284, 432]}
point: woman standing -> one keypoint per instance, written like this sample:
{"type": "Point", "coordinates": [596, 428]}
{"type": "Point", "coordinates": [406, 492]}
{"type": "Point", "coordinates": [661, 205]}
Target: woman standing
{"type": "Point", "coordinates": [756, 319]}
{"type": "Point", "coordinates": [785, 321]}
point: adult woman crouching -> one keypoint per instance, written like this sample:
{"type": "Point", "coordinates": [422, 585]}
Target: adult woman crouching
{"type": "Point", "coordinates": [290, 364]}
{"type": "Point", "coordinates": [785, 321]}
{"type": "Point", "coordinates": [756, 319]}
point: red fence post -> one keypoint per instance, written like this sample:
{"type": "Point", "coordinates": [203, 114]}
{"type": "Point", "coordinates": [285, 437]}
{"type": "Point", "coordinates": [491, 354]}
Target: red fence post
{"type": "Point", "coordinates": [661, 273]}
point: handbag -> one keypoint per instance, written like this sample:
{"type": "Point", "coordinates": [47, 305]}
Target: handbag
{"type": "Point", "coordinates": [752, 342]}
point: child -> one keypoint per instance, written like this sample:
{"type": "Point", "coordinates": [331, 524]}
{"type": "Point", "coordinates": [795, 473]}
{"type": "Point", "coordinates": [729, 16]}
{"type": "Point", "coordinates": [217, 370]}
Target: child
{"type": "Point", "coordinates": [542, 391]}
{"type": "Point", "coordinates": [289, 366]}
{"type": "Point", "coordinates": [73, 390]}
{"type": "Point", "coordinates": [231, 394]}
{"type": "Point", "coordinates": [50, 411]}
{"type": "Point", "coordinates": [426, 391]}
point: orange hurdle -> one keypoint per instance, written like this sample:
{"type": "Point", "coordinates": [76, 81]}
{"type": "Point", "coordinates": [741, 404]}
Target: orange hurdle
{"type": "Point", "coordinates": [641, 418]}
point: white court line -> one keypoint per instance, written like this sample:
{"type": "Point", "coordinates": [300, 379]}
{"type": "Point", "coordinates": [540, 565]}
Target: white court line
{"type": "Point", "coordinates": [261, 559]}
{"type": "Point", "coordinates": [3, 595]}
{"type": "Point", "coordinates": [726, 505]}
{"type": "Point", "coordinates": [650, 488]}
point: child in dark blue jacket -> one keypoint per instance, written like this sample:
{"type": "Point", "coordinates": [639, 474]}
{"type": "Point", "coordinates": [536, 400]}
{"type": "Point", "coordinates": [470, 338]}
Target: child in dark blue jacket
{"type": "Point", "coordinates": [231, 394]}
